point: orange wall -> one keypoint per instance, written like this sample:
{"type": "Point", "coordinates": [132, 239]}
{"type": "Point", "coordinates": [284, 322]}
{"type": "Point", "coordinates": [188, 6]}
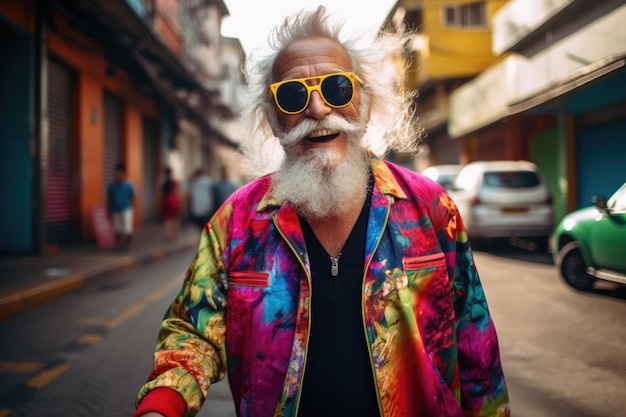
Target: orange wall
{"type": "Point", "coordinates": [22, 13]}
{"type": "Point", "coordinates": [92, 81]}
{"type": "Point", "coordinates": [90, 66]}
{"type": "Point", "coordinates": [133, 133]}
{"type": "Point", "coordinates": [166, 24]}
{"type": "Point", "coordinates": [90, 139]}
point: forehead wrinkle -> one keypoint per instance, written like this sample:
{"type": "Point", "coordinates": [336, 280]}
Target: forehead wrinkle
{"type": "Point", "coordinates": [321, 56]}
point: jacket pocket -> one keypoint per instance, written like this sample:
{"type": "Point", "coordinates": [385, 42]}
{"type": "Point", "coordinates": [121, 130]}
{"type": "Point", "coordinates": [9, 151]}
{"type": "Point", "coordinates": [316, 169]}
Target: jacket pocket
{"type": "Point", "coordinates": [248, 278]}
{"type": "Point", "coordinates": [426, 261]}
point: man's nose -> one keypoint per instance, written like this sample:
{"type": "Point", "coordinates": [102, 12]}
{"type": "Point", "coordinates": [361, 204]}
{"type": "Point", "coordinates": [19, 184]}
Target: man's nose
{"type": "Point", "coordinates": [317, 107]}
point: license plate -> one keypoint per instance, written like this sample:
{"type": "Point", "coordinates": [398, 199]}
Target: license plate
{"type": "Point", "coordinates": [515, 210]}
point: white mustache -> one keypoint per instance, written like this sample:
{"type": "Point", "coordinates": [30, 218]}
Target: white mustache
{"type": "Point", "coordinates": [331, 122]}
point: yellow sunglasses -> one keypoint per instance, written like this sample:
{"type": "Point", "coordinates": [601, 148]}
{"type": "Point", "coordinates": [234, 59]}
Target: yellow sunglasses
{"type": "Point", "coordinates": [336, 89]}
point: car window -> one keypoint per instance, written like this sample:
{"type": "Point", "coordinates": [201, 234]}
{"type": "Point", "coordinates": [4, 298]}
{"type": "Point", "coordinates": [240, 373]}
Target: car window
{"type": "Point", "coordinates": [618, 201]}
{"type": "Point", "coordinates": [446, 181]}
{"type": "Point", "coordinates": [511, 179]}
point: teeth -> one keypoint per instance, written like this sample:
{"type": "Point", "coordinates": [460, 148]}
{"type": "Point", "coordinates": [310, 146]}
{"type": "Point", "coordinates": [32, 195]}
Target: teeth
{"type": "Point", "coordinates": [323, 132]}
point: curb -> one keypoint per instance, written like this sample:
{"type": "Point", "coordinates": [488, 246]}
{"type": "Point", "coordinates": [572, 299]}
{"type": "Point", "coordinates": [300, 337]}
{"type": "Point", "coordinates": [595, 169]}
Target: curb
{"type": "Point", "coordinates": [18, 303]}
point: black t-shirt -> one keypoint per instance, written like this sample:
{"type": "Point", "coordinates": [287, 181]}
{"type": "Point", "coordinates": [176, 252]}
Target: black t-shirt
{"type": "Point", "coordinates": [338, 379]}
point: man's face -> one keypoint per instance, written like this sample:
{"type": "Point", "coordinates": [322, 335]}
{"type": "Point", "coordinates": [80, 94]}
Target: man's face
{"type": "Point", "coordinates": [325, 165]}
{"type": "Point", "coordinates": [308, 58]}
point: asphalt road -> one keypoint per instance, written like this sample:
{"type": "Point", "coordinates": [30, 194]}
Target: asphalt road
{"type": "Point", "coordinates": [87, 353]}
{"type": "Point", "coordinates": [563, 352]}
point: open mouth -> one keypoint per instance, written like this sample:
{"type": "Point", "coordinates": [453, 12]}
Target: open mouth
{"type": "Point", "coordinates": [322, 138]}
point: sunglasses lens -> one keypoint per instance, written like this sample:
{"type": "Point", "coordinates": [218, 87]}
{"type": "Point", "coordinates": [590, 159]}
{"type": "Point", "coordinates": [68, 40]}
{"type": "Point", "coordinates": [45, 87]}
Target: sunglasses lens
{"type": "Point", "coordinates": [292, 96]}
{"type": "Point", "coordinates": [337, 90]}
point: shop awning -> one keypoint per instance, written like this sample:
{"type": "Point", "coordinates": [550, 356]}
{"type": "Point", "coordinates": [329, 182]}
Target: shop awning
{"type": "Point", "coordinates": [595, 85]}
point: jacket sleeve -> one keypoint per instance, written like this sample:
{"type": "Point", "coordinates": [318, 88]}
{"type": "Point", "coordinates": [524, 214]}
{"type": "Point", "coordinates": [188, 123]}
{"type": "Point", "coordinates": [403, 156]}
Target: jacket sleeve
{"type": "Point", "coordinates": [190, 352]}
{"type": "Point", "coordinates": [483, 388]}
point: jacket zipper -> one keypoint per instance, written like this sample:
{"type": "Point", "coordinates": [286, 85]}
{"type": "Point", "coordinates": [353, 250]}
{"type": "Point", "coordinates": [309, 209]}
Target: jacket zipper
{"type": "Point", "coordinates": [334, 265]}
{"type": "Point", "coordinates": [334, 272]}
{"type": "Point", "coordinates": [308, 276]}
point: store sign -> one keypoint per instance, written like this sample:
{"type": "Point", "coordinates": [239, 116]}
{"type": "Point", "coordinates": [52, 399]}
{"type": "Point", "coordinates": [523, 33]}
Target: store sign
{"type": "Point", "coordinates": [486, 98]}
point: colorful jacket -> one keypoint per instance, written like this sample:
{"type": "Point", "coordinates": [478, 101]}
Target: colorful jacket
{"type": "Point", "coordinates": [244, 305]}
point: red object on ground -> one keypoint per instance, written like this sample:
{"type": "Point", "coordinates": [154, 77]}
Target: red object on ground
{"type": "Point", "coordinates": [103, 228]}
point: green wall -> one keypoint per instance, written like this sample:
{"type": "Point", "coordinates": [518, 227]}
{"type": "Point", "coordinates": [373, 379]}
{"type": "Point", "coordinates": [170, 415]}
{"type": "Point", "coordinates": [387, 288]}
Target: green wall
{"type": "Point", "coordinates": [16, 176]}
{"type": "Point", "coordinates": [546, 154]}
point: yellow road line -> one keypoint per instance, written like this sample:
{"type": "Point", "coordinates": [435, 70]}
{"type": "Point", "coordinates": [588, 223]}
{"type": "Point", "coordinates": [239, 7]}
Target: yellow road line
{"type": "Point", "coordinates": [158, 294]}
{"type": "Point", "coordinates": [124, 315]}
{"type": "Point", "coordinates": [89, 339]}
{"type": "Point", "coordinates": [135, 308]}
{"type": "Point", "coordinates": [158, 253]}
{"type": "Point", "coordinates": [45, 377]}
{"type": "Point", "coordinates": [25, 300]}
{"type": "Point", "coordinates": [19, 367]}
{"type": "Point", "coordinates": [92, 321]}
{"type": "Point", "coordinates": [127, 262]}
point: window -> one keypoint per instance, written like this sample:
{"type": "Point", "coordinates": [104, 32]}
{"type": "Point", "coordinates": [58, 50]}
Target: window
{"type": "Point", "coordinates": [470, 15]}
{"type": "Point", "coordinates": [618, 200]}
{"type": "Point", "coordinates": [511, 179]}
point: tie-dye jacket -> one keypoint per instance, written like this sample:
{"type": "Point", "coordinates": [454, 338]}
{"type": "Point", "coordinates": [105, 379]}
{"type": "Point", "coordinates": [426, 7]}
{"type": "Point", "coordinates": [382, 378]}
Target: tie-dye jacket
{"type": "Point", "coordinates": [244, 308]}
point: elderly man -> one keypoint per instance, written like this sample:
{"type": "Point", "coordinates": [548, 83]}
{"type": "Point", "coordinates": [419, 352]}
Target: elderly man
{"type": "Point", "coordinates": [341, 284]}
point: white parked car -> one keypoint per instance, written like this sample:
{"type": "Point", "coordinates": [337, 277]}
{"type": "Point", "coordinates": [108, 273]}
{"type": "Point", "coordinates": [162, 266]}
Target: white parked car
{"type": "Point", "coordinates": [443, 174]}
{"type": "Point", "coordinates": [504, 199]}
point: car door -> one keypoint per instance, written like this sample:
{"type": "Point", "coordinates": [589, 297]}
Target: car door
{"type": "Point", "coordinates": [608, 238]}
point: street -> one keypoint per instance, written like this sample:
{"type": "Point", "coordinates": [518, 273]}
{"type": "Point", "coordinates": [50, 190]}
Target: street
{"type": "Point", "coordinates": [87, 353]}
{"type": "Point", "coordinates": [564, 352]}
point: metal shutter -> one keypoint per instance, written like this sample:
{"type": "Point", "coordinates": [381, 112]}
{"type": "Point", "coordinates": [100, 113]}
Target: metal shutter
{"type": "Point", "coordinates": [150, 168]}
{"type": "Point", "coordinates": [113, 125]}
{"type": "Point", "coordinates": [58, 167]}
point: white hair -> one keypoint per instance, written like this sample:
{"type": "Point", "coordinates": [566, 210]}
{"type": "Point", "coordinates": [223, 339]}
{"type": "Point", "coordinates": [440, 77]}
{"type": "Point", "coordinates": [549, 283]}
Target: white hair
{"type": "Point", "coordinates": [392, 124]}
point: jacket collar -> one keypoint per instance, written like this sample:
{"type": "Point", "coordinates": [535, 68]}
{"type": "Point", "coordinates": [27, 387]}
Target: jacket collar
{"type": "Point", "coordinates": [384, 178]}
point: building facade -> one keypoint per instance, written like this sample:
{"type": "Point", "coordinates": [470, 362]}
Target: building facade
{"type": "Point", "coordinates": [450, 43]}
{"type": "Point", "coordinates": [88, 85]}
{"type": "Point", "coordinates": [557, 96]}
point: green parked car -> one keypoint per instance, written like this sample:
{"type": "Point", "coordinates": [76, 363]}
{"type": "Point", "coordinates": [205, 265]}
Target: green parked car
{"type": "Point", "coordinates": [589, 244]}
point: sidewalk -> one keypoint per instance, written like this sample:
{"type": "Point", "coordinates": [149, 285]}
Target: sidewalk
{"type": "Point", "coordinates": [28, 281]}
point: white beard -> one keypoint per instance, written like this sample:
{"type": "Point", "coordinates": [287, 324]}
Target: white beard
{"type": "Point", "coordinates": [318, 183]}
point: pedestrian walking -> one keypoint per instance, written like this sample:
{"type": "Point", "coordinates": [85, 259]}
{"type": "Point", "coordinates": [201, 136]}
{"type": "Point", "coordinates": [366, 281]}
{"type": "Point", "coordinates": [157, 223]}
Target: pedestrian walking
{"type": "Point", "coordinates": [200, 198]}
{"type": "Point", "coordinates": [120, 199]}
{"type": "Point", "coordinates": [170, 205]}
{"type": "Point", "coordinates": [340, 284]}
{"type": "Point", "coordinates": [222, 188]}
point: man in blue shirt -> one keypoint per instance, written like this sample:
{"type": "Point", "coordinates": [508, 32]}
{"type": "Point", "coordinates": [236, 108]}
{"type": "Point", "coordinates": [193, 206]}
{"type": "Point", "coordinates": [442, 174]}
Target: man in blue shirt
{"type": "Point", "coordinates": [120, 196]}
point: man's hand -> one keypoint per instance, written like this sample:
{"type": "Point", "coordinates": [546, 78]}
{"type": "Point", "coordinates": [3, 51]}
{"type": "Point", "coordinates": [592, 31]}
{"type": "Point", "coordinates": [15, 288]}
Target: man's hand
{"type": "Point", "coordinates": [152, 414]}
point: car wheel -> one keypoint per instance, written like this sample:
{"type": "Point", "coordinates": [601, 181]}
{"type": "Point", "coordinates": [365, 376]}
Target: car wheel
{"type": "Point", "coordinates": [573, 269]}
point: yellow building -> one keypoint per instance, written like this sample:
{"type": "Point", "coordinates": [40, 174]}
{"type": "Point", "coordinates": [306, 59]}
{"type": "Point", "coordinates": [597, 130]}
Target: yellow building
{"type": "Point", "coordinates": [450, 43]}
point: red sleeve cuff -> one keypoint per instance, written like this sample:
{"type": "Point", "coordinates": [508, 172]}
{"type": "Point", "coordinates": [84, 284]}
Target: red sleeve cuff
{"type": "Point", "coordinates": [162, 400]}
